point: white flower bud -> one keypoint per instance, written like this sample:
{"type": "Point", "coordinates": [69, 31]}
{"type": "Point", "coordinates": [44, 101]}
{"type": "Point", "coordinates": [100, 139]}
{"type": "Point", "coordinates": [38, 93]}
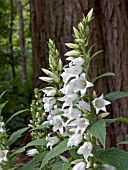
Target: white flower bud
{"type": "Point", "coordinates": [1, 127]}
{"type": "Point", "coordinates": [76, 32]}
{"type": "Point", "coordinates": [32, 152]}
{"type": "Point", "coordinates": [47, 79]}
{"type": "Point", "coordinates": [72, 53]}
{"type": "Point", "coordinates": [49, 73]}
{"type": "Point", "coordinates": [71, 45]}
{"type": "Point", "coordinates": [60, 64]}
{"type": "Point", "coordinates": [89, 16]}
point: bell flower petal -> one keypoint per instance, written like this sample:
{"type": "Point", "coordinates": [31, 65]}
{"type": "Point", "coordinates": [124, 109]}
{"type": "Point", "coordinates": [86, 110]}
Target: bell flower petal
{"type": "Point", "coordinates": [1, 127]}
{"type": "Point", "coordinates": [82, 84]}
{"type": "Point", "coordinates": [74, 140]}
{"type": "Point", "coordinates": [49, 91]}
{"type": "Point", "coordinates": [32, 152]}
{"type": "Point", "coordinates": [84, 106]}
{"type": "Point", "coordinates": [109, 167]}
{"type": "Point", "coordinates": [68, 99]}
{"type": "Point", "coordinates": [80, 166]}
{"type": "Point", "coordinates": [3, 155]}
{"type": "Point", "coordinates": [51, 141]}
{"type": "Point", "coordinates": [81, 124]}
{"type": "Point", "coordinates": [58, 123]}
{"type": "Point", "coordinates": [100, 103]}
{"type": "Point", "coordinates": [85, 150]}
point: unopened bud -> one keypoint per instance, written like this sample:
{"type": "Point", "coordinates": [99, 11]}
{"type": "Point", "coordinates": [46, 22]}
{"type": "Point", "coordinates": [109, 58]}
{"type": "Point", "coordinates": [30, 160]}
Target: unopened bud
{"type": "Point", "coordinates": [104, 114]}
{"type": "Point", "coordinates": [94, 94]}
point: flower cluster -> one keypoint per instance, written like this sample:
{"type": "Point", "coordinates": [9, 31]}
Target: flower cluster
{"type": "Point", "coordinates": [70, 108]}
{"type": "Point", "coordinates": [37, 116]}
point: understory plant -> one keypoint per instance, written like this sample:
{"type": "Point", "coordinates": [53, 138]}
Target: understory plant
{"type": "Point", "coordinates": [75, 126]}
{"type": "Point", "coordinates": [68, 122]}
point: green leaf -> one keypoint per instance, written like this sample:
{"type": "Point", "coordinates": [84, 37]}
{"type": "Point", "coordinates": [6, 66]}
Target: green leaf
{"type": "Point", "coordinates": [14, 136]}
{"type": "Point", "coordinates": [56, 151]}
{"type": "Point", "coordinates": [103, 75]}
{"type": "Point", "coordinates": [76, 101]}
{"type": "Point", "coordinates": [61, 166]}
{"type": "Point", "coordinates": [114, 157]}
{"type": "Point", "coordinates": [2, 94]}
{"type": "Point", "coordinates": [115, 95]}
{"type": "Point", "coordinates": [74, 155]}
{"type": "Point", "coordinates": [123, 143]}
{"type": "Point", "coordinates": [98, 130]}
{"type": "Point", "coordinates": [15, 114]}
{"type": "Point", "coordinates": [96, 54]}
{"type": "Point", "coordinates": [31, 165]}
{"type": "Point", "coordinates": [2, 106]}
{"type": "Point", "coordinates": [109, 121]}
{"type": "Point", "coordinates": [38, 142]}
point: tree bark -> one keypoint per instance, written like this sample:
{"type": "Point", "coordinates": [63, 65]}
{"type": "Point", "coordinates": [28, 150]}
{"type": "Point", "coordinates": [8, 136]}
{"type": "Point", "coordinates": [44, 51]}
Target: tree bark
{"type": "Point", "coordinates": [55, 19]}
{"type": "Point", "coordinates": [22, 40]}
{"type": "Point", "coordinates": [10, 40]}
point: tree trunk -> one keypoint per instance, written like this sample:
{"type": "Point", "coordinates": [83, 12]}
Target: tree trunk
{"type": "Point", "coordinates": [55, 19]}
{"type": "Point", "coordinates": [22, 40]}
{"type": "Point", "coordinates": [10, 40]}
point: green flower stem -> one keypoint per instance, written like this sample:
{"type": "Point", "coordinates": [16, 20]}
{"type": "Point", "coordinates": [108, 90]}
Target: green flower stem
{"type": "Point", "coordinates": [92, 110]}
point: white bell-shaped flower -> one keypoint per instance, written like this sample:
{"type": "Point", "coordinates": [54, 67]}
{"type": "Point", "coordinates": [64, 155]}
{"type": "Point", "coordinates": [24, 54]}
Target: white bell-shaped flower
{"type": "Point", "coordinates": [49, 91]}
{"type": "Point", "coordinates": [1, 127]}
{"type": "Point", "coordinates": [48, 103]}
{"type": "Point", "coordinates": [68, 89]}
{"type": "Point", "coordinates": [85, 150]}
{"type": "Point", "coordinates": [68, 99]}
{"type": "Point", "coordinates": [72, 113]}
{"type": "Point", "coordinates": [100, 103]}
{"type": "Point", "coordinates": [69, 131]}
{"type": "Point", "coordinates": [51, 141]}
{"type": "Point", "coordinates": [71, 72]}
{"type": "Point", "coordinates": [81, 124]}
{"type": "Point", "coordinates": [84, 106]}
{"type": "Point", "coordinates": [3, 155]}
{"type": "Point", "coordinates": [32, 152]}
{"type": "Point", "coordinates": [80, 166]}
{"type": "Point", "coordinates": [82, 84]}
{"type": "Point", "coordinates": [74, 140]}
{"type": "Point", "coordinates": [56, 110]}
{"type": "Point", "coordinates": [58, 123]}
{"type": "Point", "coordinates": [75, 61]}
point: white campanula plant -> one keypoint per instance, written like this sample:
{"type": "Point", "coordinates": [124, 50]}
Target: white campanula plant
{"type": "Point", "coordinates": [74, 128]}
{"type": "Point", "coordinates": [68, 125]}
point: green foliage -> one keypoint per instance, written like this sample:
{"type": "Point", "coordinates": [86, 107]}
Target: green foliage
{"type": "Point", "coordinates": [123, 143]}
{"type": "Point", "coordinates": [16, 135]}
{"type": "Point", "coordinates": [73, 153]}
{"type": "Point", "coordinates": [61, 166]}
{"type": "Point", "coordinates": [18, 95]}
{"type": "Point", "coordinates": [98, 130]}
{"type": "Point", "coordinates": [115, 95]}
{"type": "Point", "coordinates": [38, 142]}
{"type": "Point", "coordinates": [34, 162]}
{"type": "Point", "coordinates": [15, 114]}
{"type": "Point", "coordinates": [19, 98]}
{"type": "Point", "coordinates": [2, 106]}
{"type": "Point", "coordinates": [56, 151]}
{"type": "Point", "coordinates": [109, 121]}
{"type": "Point", "coordinates": [103, 75]}
{"type": "Point", "coordinates": [115, 157]}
